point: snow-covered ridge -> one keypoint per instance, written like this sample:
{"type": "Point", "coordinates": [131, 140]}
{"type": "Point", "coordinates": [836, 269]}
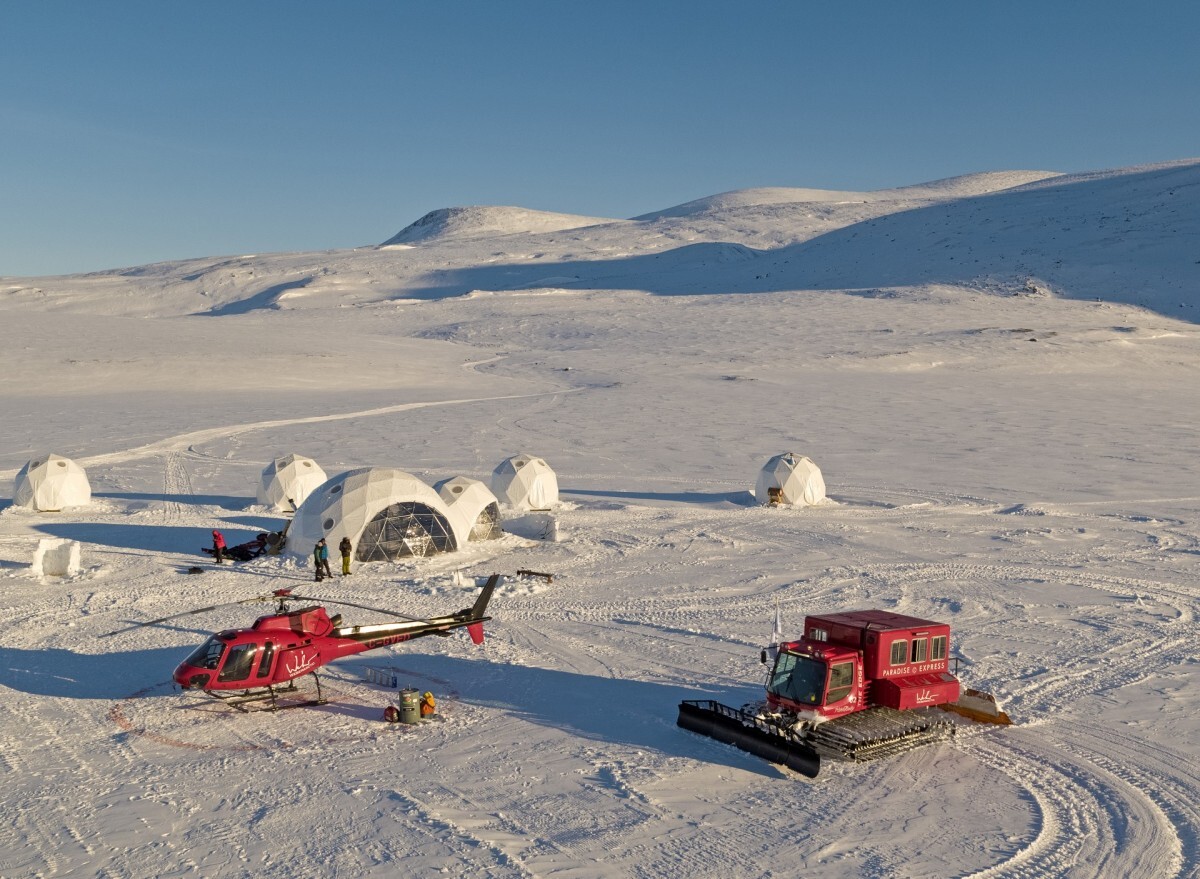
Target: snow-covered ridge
{"type": "Point", "coordinates": [1121, 235]}
{"type": "Point", "coordinates": [478, 220]}
{"type": "Point", "coordinates": [951, 187]}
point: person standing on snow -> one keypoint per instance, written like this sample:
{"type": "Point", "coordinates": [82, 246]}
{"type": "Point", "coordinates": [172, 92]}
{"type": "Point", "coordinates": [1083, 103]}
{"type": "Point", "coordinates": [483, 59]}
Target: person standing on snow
{"type": "Point", "coordinates": [345, 547]}
{"type": "Point", "coordinates": [218, 546]}
{"type": "Point", "coordinates": [321, 558]}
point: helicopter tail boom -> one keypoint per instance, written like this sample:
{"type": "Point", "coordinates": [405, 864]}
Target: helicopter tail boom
{"type": "Point", "coordinates": [481, 603]}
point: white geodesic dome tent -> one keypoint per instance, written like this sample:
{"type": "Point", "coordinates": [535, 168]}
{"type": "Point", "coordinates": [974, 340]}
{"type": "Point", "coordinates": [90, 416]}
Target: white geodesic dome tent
{"type": "Point", "coordinates": [387, 514]}
{"type": "Point", "coordinates": [525, 482]}
{"type": "Point", "coordinates": [288, 480]}
{"type": "Point", "coordinates": [790, 479]}
{"type": "Point", "coordinates": [474, 510]}
{"type": "Point", "coordinates": [49, 483]}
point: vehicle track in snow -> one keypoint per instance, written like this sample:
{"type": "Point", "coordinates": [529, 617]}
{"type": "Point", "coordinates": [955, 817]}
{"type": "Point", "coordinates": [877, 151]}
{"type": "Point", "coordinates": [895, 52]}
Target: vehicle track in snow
{"type": "Point", "coordinates": [1096, 817]}
{"type": "Point", "coordinates": [1102, 665]}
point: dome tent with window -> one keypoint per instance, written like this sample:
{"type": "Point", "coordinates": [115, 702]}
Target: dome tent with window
{"type": "Point", "coordinates": [790, 479]}
{"type": "Point", "coordinates": [525, 482]}
{"type": "Point", "coordinates": [474, 510]}
{"type": "Point", "coordinates": [387, 514]}
{"type": "Point", "coordinates": [49, 483]}
{"type": "Point", "coordinates": [287, 481]}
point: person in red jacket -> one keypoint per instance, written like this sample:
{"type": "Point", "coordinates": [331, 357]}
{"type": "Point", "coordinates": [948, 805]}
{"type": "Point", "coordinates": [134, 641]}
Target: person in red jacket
{"type": "Point", "coordinates": [218, 546]}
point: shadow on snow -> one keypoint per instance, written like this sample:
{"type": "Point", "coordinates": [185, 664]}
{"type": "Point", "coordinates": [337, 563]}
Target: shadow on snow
{"type": "Point", "coordinates": [640, 714]}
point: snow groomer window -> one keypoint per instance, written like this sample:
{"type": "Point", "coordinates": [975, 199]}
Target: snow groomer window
{"type": "Point", "coordinates": [841, 680]}
{"type": "Point", "coordinates": [899, 652]}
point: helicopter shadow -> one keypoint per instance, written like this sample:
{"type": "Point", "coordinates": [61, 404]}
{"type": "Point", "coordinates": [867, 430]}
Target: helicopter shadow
{"type": "Point", "coordinates": [640, 714]}
{"type": "Point", "coordinates": [64, 674]}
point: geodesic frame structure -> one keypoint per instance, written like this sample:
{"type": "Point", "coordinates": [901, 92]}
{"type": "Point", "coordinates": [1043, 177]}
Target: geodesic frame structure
{"type": "Point", "coordinates": [791, 479]}
{"type": "Point", "coordinates": [525, 482]}
{"type": "Point", "coordinates": [288, 480]}
{"type": "Point", "coordinates": [387, 514]}
{"type": "Point", "coordinates": [48, 483]}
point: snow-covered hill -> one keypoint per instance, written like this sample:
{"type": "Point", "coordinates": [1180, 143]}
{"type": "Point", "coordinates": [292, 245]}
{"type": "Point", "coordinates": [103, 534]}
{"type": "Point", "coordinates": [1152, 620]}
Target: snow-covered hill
{"type": "Point", "coordinates": [482, 220]}
{"type": "Point", "coordinates": [996, 375]}
{"type": "Point", "coordinates": [952, 187]}
{"type": "Point", "coordinates": [1086, 236]}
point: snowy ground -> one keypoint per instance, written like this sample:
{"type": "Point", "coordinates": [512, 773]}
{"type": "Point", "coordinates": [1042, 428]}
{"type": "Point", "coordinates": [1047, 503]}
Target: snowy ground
{"type": "Point", "coordinates": [1003, 451]}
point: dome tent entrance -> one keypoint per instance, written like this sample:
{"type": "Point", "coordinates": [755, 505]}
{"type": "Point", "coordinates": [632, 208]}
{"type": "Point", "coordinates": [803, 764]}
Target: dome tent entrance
{"type": "Point", "coordinates": [409, 528]}
{"type": "Point", "coordinates": [790, 479]}
{"type": "Point", "coordinates": [387, 514]}
{"type": "Point", "coordinates": [49, 483]}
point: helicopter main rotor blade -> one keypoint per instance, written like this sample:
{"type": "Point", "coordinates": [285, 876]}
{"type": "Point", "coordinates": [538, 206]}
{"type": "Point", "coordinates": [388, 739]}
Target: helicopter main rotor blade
{"type": "Point", "coordinates": [174, 616]}
{"type": "Point", "coordinates": [390, 613]}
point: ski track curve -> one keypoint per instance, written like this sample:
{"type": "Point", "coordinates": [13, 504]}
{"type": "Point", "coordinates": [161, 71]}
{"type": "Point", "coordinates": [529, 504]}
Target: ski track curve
{"type": "Point", "coordinates": [184, 441]}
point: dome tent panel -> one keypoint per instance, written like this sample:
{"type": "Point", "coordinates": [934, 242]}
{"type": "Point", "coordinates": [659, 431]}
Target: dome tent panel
{"type": "Point", "coordinates": [525, 482]}
{"type": "Point", "coordinates": [49, 483]}
{"type": "Point", "coordinates": [791, 479]}
{"type": "Point", "coordinates": [287, 481]}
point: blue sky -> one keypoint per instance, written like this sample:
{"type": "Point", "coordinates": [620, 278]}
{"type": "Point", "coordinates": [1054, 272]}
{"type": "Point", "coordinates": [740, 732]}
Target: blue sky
{"type": "Point", "coordinates": [133, 132]}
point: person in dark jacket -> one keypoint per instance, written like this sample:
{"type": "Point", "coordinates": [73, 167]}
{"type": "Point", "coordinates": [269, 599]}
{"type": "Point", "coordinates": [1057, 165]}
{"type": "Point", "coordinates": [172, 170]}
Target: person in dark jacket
{"type": "Point", "coordinates": [321, 558]}
{"type": "Point", "coordinates": [218, 546]}
{"type": "Point", "coordinates": [345, 547]}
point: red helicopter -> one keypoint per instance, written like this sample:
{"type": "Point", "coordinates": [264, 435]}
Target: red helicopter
{"type": "Point", "coordinates": [246, 665]}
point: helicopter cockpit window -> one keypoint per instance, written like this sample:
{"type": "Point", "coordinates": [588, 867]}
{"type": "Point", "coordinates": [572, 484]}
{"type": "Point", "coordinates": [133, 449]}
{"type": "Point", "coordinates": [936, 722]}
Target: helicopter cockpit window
{"type": "Point", "coordinates": [264, 667]}
{"type": "Point", "coordinates": [238, 663]}
{"type": "Point", "coordinates": [207, 655]}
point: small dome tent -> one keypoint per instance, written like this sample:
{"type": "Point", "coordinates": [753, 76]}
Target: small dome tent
{"type": "Point", "coordinates": [287, 481]}
{"type": "Point", "coordinates": [49, 483]}
{"type": "Point", "coordinates": [525, 482]}
{"type": "Point", "coordinates": [387, 514]}
{"type": "Point", "coordinates": [474, 510]}
{"type": "Point", "coordinates": [790, 479]}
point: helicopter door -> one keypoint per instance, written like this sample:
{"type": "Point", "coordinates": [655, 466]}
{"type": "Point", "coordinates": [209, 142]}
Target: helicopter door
{"type": "Point", "coordinates": [238, 663]}
{"type": "Point", "coordinates": [264, 664]}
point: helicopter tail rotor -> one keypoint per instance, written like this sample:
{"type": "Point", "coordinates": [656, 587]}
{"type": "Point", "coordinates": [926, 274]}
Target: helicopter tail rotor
{"type": "Point", "coordinates": [479, 609]}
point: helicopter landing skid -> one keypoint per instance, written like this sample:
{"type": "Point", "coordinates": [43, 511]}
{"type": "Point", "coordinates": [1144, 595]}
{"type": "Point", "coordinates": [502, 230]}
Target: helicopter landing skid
{"type": "Point", "coordinates": [239, 701]}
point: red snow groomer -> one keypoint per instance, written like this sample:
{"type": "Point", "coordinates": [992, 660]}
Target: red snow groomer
{"type": "Point", "coordinates": [858, 685]}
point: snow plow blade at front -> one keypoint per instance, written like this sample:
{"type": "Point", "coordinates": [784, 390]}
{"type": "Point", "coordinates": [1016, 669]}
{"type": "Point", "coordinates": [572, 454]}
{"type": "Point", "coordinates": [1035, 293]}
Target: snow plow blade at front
{"type": "Point", "coordinates": [979, 706]}
{"type": "Point", "coordinates": [752, 734]}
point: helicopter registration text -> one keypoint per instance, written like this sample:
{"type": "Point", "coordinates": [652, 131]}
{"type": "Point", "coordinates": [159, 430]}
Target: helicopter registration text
{"type": "Point", "coordinates": [383, 642]}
